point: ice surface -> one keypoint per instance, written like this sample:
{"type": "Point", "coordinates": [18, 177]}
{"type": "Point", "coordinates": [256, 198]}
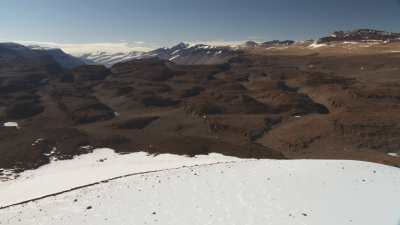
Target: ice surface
{"type": "Point", "coordinates": [100, 165]}
{"type": "Point", "coordinates": [253, 192]}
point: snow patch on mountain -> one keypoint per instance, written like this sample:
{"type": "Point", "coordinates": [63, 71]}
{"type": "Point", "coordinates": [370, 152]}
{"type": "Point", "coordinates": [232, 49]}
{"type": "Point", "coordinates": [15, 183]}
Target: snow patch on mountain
{"type": "Point", "coordinates": [11, 124]}
{"type": "Point", "coordinates": [174, 57]}
{"type": "Point", "coordinates": [316, 45]}
{"type": "Point", "coordinates": [109, 59]}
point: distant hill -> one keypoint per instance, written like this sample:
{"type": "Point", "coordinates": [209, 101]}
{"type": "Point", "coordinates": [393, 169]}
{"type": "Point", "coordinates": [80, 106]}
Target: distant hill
{"type": "Point", "coordinates": [65, 60]}
{"type": "Point", "coordinates": [361, 35]}
{"type": "Point", "coordinates": [15, 57]}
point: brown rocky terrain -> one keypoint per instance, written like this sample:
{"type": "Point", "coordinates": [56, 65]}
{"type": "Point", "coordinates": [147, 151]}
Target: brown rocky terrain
{"type": "Point", "coordinates": [295, 103]}
{"type": "Point", "coordinates": [361, 35]}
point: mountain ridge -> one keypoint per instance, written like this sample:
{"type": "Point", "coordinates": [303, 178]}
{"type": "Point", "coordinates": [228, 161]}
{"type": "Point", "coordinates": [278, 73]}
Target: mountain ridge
{"type": "Point", "coordinates": [182, 53]}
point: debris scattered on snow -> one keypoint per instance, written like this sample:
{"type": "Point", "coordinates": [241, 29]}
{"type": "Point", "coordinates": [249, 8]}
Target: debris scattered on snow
{"type": "Point", "coordinates": [101, 164]}
{"type": "Point", "coordinates": [298, 192]}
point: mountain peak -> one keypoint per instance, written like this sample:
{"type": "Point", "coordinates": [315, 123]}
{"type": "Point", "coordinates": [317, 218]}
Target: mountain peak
{"type": "Point", "coordinates": [181, 45]}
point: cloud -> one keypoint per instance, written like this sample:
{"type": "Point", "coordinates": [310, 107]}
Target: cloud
{"type": "Point", "coordinates": [78, 49]}
{"type": "Point", "coordinates": [256, 38]}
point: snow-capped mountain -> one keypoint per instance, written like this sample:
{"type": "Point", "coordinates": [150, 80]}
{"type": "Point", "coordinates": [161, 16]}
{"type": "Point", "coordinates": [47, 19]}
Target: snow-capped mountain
{"type": "Point", "coordinates": [181, 54]}
{"type": "Point", "coordinates": [195, 54]}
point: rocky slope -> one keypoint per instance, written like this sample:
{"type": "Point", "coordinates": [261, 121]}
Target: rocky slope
{"type": "Point", "coordinates": [269, 44]}
{"type": "Point", "coordinates": [361, 35]}
{"type": "Point", "coordinates": [65, 60]}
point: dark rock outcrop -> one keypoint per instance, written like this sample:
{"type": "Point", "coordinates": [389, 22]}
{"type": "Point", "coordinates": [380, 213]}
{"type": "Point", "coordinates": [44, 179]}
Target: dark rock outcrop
{"type": "Point", "coordinates": [277, 43]}
{"type": "Point", "coordinates": [136, 123]}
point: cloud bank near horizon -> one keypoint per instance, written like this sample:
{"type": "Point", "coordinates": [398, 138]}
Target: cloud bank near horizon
{"type": "Point", "coordinates": [78, 49]}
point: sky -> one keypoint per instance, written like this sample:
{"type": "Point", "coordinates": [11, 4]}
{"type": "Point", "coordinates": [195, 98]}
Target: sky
{"type": "Point", "coordinates": [148, 24]}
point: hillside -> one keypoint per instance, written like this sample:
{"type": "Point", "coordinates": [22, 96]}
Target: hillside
{"type": "Point", "coordinates": [63, 59]}
{"type": "Point", "coordinates": [331, 102]}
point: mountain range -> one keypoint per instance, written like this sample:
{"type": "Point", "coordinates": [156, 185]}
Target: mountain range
{"type": "Point", "coordinates": [181, 53]}
{"type": "Point", "coordinates": [192, 54]}
{"type": "Point", "coordinates": [198, 54]}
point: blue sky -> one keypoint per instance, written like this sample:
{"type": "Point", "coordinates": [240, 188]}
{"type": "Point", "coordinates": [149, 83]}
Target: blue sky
{"type": "Point", "coordinates": [166, 22]}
